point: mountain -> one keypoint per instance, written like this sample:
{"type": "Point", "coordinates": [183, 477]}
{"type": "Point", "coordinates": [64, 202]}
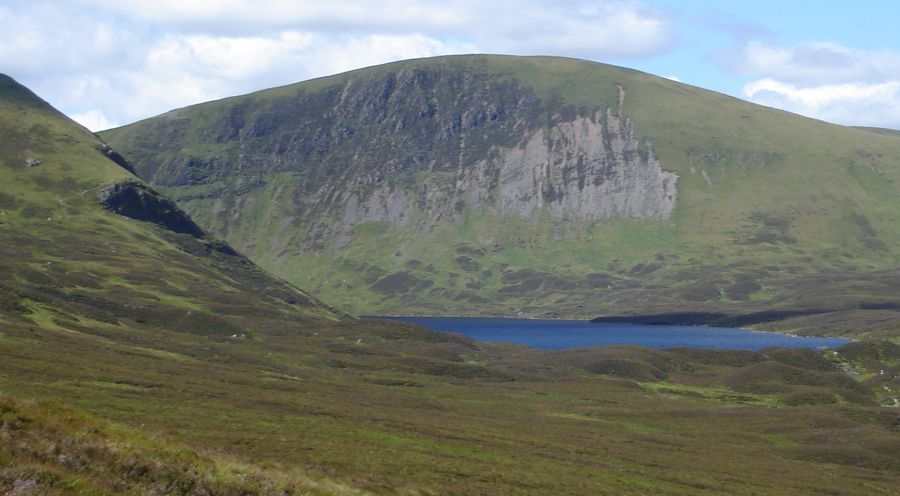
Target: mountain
{"type": "Point", "coordinates": [540, 186]}
{"type": "Point", "coordinates": [139, 355]}
{"type": "Point", "coordinates": [86, 242]}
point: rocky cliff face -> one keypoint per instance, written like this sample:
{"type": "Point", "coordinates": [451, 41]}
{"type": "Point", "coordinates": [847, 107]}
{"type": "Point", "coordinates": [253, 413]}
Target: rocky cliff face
{"type": "Point", "coordinates": [581, 171]}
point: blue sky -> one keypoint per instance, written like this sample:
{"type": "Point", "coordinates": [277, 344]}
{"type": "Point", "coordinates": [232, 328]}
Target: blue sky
{"type": "Point", "coordinates": [709, 32]}
{"type": "Point", "coordinates": [111, 62]}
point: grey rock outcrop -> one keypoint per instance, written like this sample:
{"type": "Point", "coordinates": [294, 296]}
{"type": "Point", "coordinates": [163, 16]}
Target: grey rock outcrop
{"type": "Point", "coordinates": [582, 171]}
{"type": "Point", "coordinates": [135, 200]}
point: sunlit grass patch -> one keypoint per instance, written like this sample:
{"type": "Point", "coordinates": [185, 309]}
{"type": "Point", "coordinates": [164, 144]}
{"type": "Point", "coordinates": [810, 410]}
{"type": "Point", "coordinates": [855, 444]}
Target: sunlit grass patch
{"type": "Point", "coordinates": [781, 441]}
{"type": "Point", "coordinates": [715, 394]}
{"type": "Point", "coordinates": [121, 386]}
{"type": "Point", "coordinates": [627, 424]}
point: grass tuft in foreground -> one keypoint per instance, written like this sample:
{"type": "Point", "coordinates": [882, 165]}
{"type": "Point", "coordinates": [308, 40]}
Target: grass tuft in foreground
{"type": "Point", "coordinates": [48, 449]}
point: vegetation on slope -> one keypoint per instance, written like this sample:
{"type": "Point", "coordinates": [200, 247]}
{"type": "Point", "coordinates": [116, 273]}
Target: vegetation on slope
{"type": "Point", "coordinates": [68, 259]}
{"type": "Point", "coordinates": [774, 212]}
{"type": "Point", "coordinates": [881, 130]}
{"type": "Point", "coordinates": [392, 408]}
{"type": "Point", "coordinates": [210, 369]}
{"type": "Point", "coordinates": [48, 449]}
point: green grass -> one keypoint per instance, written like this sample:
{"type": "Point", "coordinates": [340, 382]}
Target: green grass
{"type": "Point", "coordinates": [666, 389]}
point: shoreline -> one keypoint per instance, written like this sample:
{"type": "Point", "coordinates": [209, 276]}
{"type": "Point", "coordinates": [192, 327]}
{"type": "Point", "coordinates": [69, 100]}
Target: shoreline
{"type": "Point", "coordinates": [620, 320]}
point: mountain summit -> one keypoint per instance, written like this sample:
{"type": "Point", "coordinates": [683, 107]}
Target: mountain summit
{"type": "Point", "coordinates": [536, 186]}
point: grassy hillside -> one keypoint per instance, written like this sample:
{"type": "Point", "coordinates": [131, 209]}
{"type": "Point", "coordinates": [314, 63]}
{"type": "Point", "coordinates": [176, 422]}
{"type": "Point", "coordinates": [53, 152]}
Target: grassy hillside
{"type": "Point", "coordinates": [881, 130]}
{"type": "Point", "coordinates": [381, 190]}
{"type": "Point", "coordinates": [135, 359]}
{"type": "Point", "coordinates": [50, 449]}
{"type": "Point", "coordinates": [68, 261]}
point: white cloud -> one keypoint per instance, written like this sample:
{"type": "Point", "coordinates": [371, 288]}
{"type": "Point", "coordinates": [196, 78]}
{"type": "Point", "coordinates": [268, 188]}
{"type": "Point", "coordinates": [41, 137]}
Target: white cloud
{"type": "Point", "coordinates": [227, 58]}
{"type": "Point", "coordinates": [93, 120]}
{"type": "Point", "coordinates": [825, 81]}
{"type": "Point", "coordinates": [256, 16]}
{"type": "Point", "coordinates": [46, 40]}
{"type": "Point", "coordinates": [116, 61]}
{"type": "Point", "coordinates": [355, 52]}
{"type": "Point", "coordinates": [590, 30]}
{"type": "Point", "coordinates": [610, 28]}
{"type": "Point", "coordinates": [817, 63]}
{"type": "Point", "coordinates": [866, 104]}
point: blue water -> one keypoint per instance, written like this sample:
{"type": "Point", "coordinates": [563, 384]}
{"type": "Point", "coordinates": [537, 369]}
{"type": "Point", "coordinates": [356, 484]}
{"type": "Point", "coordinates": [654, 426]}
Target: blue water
{"type": "Point", "coordinates": [559, 334]}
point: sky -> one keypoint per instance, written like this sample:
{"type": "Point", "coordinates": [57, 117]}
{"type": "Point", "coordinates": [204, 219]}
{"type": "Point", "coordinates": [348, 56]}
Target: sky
{"type": "Point", "coordinates": [107, 63]}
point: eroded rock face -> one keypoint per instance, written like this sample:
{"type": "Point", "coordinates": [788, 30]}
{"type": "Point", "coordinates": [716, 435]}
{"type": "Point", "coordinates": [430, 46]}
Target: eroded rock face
{"type": "Point", "coordinates": [135, 200]}
{"type": "Point", "coordinates": [586, 170]}
{"type": "Point", "coordinates": [581, 171]}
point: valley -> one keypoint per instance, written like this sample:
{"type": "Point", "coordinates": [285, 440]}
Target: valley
{"type": "Point", "coordinates": [140, 353]}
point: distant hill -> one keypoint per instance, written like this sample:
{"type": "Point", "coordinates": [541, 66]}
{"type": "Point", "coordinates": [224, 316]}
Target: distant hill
{"type": "Point", "coordinates": [536, 186]}
{"type": "Point", "coordinates": [880, 130]}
